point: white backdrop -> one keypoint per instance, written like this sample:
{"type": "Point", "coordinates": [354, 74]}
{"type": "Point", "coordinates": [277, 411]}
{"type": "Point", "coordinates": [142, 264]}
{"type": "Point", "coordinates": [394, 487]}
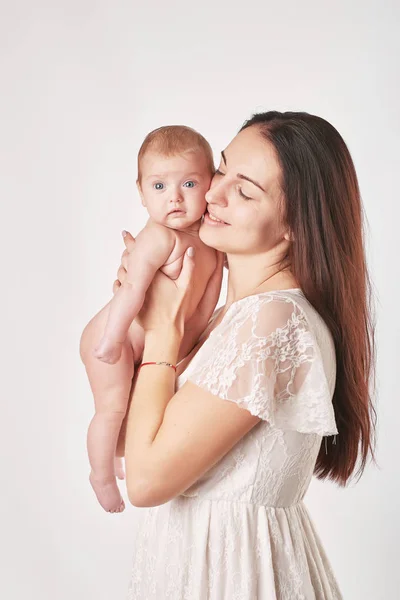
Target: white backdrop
{"type": "Point", "coordinates": [82, 82]}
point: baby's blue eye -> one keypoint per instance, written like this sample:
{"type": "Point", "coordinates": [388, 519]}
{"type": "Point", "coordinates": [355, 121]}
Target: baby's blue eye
{"type": "Point", "coordinates": [189, 184]}
{"type": "Point", "coordinates": [159, 186]}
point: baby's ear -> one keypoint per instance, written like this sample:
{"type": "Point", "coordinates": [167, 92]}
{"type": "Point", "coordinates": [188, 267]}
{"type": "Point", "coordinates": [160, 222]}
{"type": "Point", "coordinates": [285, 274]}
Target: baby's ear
{"type": "Point", "coordinates": [139, 187]}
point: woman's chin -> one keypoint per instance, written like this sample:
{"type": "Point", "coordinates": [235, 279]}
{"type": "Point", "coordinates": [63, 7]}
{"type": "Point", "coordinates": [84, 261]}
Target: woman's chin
{"type": "Point", "coordinates": [209, 237]}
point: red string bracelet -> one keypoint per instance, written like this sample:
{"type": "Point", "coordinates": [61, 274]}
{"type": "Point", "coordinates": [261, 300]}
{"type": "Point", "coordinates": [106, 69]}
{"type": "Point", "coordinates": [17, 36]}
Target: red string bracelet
{"type": "Point", "coordinates": [167, 364]}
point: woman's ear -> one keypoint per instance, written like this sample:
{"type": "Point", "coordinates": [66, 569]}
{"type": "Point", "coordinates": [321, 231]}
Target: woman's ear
{"type": "Point", "coordinates": [139, 187]}
{"type": "Point", "coordinates": [289, 236]}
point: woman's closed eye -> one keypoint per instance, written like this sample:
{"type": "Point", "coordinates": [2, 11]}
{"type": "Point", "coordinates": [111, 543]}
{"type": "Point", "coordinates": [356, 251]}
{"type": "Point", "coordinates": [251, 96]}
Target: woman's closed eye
{"type": "Point", "coordinates": [239, 189]}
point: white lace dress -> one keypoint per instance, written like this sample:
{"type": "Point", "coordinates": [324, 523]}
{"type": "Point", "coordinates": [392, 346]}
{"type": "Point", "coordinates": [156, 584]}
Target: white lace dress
{"type": "Point", "coordinates": [242, 532]}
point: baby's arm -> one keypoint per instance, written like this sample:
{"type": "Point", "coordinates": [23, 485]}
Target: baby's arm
{"type": "Point", "coordinates": [153, 247]}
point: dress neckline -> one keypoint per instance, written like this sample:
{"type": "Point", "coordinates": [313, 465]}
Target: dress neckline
{"type": "Point", "coordinates": [298, 290]}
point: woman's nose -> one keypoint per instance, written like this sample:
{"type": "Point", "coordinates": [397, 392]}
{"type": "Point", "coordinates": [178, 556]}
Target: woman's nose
{"type": "Point", "coordinates": [216, 195]}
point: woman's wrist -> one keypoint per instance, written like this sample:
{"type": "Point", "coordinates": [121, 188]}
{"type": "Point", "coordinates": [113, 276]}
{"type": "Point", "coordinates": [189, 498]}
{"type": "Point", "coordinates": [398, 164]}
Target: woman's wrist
{"type": "Point", "coordinates": [162, 344]}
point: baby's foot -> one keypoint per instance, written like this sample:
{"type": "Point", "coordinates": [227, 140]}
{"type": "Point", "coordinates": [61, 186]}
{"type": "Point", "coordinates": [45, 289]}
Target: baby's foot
{"type": "Point", "coordinates": [108, 352]}
{"type": "Point", "coordinates": [119, 467]}
{"type": "Point", "coordinates": [107, 493]}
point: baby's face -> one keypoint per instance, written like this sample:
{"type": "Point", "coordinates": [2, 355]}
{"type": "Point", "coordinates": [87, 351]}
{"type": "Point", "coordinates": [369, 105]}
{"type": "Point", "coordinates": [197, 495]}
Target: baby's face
{"type": "Point", "coordinates": [173, 188]}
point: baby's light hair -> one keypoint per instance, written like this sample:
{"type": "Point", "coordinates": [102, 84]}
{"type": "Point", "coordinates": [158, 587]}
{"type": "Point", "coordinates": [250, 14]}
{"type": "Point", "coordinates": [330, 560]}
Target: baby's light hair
{"type": "Point", "coordinates": [170, 140]}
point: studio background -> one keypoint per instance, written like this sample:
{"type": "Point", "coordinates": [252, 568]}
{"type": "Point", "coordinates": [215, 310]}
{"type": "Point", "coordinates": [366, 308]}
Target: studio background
{"type": "Point", "coordinates": [82, 83]}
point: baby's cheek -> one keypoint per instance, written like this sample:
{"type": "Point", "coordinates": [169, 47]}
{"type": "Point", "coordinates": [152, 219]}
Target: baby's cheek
{"type": "Point", "coordinates": [200, 201]}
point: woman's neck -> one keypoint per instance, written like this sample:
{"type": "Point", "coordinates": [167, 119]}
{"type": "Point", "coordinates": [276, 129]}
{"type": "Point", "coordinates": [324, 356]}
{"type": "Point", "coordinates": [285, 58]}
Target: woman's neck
{"type": "Point", "coordinates": [249, 275]}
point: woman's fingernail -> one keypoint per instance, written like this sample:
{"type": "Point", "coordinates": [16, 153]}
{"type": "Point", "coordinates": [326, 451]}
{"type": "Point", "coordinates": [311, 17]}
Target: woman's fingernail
{"type": "Point", "coordinates": [190, 251]}
{"type": "Point", "coordinates": [124, 233]}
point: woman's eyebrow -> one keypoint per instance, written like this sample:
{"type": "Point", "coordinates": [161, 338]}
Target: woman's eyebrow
{"type": "Point", "coordinates": [241, 176]}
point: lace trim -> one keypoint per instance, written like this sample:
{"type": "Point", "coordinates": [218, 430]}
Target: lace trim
{"type": "Point", "coordinates": [277, 374]}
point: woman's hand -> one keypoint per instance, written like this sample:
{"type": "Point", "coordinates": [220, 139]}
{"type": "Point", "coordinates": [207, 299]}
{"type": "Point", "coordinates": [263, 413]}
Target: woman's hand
{"type": "Point", "coordinates": [198, 322]}
{"type": "Point", "coordinates": [168, 301]}
{"type": "Point", "coordinates": [129, 242]}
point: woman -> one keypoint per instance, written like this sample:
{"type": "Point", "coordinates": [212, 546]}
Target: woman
{"type": "Point", "coordinates": [224, 462]}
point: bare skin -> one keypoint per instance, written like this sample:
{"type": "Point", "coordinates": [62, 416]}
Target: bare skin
{"type": "Point", "coordinates": [197, 328]}
{"type": "Point", "coordinates": [173, 190]}
{"type": "Point", "coordinates": [143, 263]}
{"type": "Point", "coordinates": [111, 386]}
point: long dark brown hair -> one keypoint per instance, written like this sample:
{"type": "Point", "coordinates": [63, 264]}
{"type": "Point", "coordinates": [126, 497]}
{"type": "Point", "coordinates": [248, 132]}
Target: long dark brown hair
{"type": "Point", "coordinates": [323, 210]}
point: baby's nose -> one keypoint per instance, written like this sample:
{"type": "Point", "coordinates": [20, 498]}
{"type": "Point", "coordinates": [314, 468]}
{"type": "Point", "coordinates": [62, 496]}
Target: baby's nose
{"type": "Point", "coordinates": [176, 197]}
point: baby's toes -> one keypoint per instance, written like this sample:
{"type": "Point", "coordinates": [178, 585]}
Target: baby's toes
{"type": "Point", "coordinates": [119, 509]}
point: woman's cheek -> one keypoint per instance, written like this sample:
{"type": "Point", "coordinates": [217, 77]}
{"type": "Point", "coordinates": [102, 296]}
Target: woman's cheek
{"type": "Point", "coordinates": [256, 228]}
{"type": "Point", "coordinates": [245, 218]}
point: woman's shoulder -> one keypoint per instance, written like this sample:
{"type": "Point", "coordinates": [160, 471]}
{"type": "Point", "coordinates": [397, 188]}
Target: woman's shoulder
{"type": "Point", "coordinates": [278, 314]}
{"type": "Point", "coordinates": [263, 313]}
{"type": "Point", "coordinates": [287, 318]}
{"type": "Point", "coordinates": [266, 307]}
{"type": "Point", "coordinates": [262, 342]}
{"type": "Point", "coordinates": [276, 305]}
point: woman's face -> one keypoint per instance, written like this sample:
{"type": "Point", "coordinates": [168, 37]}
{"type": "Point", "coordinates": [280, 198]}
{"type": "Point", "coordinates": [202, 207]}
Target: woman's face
{"type": "Point", "coordinates": [245, 196]}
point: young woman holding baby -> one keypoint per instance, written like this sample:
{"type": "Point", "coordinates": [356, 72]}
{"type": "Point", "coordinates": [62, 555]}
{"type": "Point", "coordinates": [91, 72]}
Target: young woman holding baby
{"type": "Point", "coordinates": [273, 387]}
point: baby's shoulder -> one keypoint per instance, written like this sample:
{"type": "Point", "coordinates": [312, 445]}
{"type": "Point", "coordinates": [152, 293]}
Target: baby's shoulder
{"type": "Point", "coordinates": [157, 234]}
{"type": "Point", "coordinates": [153, 227]}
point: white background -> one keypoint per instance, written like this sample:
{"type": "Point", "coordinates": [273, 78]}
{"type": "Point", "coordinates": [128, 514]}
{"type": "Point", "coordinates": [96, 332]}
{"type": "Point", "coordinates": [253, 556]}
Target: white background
{"type": "Point", "coordinates": [81, 84]}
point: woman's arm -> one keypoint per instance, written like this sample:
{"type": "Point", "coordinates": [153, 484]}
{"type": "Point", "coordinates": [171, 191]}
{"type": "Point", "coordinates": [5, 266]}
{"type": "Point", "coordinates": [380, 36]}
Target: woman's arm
{"type": "Point", "coordinates": [193, 328]}
{"type": "Point", "coordinates": [169, 447]}
{"type": "Point", "coordinates": [154, 387]}
{"type": "Point", "coordinates": [174, 438]}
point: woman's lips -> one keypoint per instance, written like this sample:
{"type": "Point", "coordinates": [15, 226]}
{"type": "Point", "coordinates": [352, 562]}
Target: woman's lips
{"type": "Point", "coordinates": [211, 220]}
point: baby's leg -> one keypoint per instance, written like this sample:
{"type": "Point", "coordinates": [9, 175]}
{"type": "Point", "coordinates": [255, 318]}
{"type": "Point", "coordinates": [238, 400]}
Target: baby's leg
{"type": "Point", "coordinates": [111, 385]}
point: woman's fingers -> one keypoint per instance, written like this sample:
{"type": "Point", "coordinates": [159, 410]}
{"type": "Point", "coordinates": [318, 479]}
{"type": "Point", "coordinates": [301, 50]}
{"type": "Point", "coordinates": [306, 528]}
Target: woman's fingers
{"type": "Point", "coordinates": [121, 273]}
{"type": "Point", "coordinates": [214, 283]}
{"type": "Point", "coordinates": [129, 240]}
{"type": "Point", "coordinates": [124, 259]}
{"type": "Point", "coordinates": [213, 288]}
{"type": "Point", "coordinates": [186, 273]}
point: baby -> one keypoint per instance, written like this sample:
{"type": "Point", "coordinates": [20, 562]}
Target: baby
{"type": "Point", "coordinates": [175, 167]}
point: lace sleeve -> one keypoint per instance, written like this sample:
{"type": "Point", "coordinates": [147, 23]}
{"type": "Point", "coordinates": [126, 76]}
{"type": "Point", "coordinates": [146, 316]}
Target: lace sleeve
{"type": "Point", "coordinates": [267, 361]}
